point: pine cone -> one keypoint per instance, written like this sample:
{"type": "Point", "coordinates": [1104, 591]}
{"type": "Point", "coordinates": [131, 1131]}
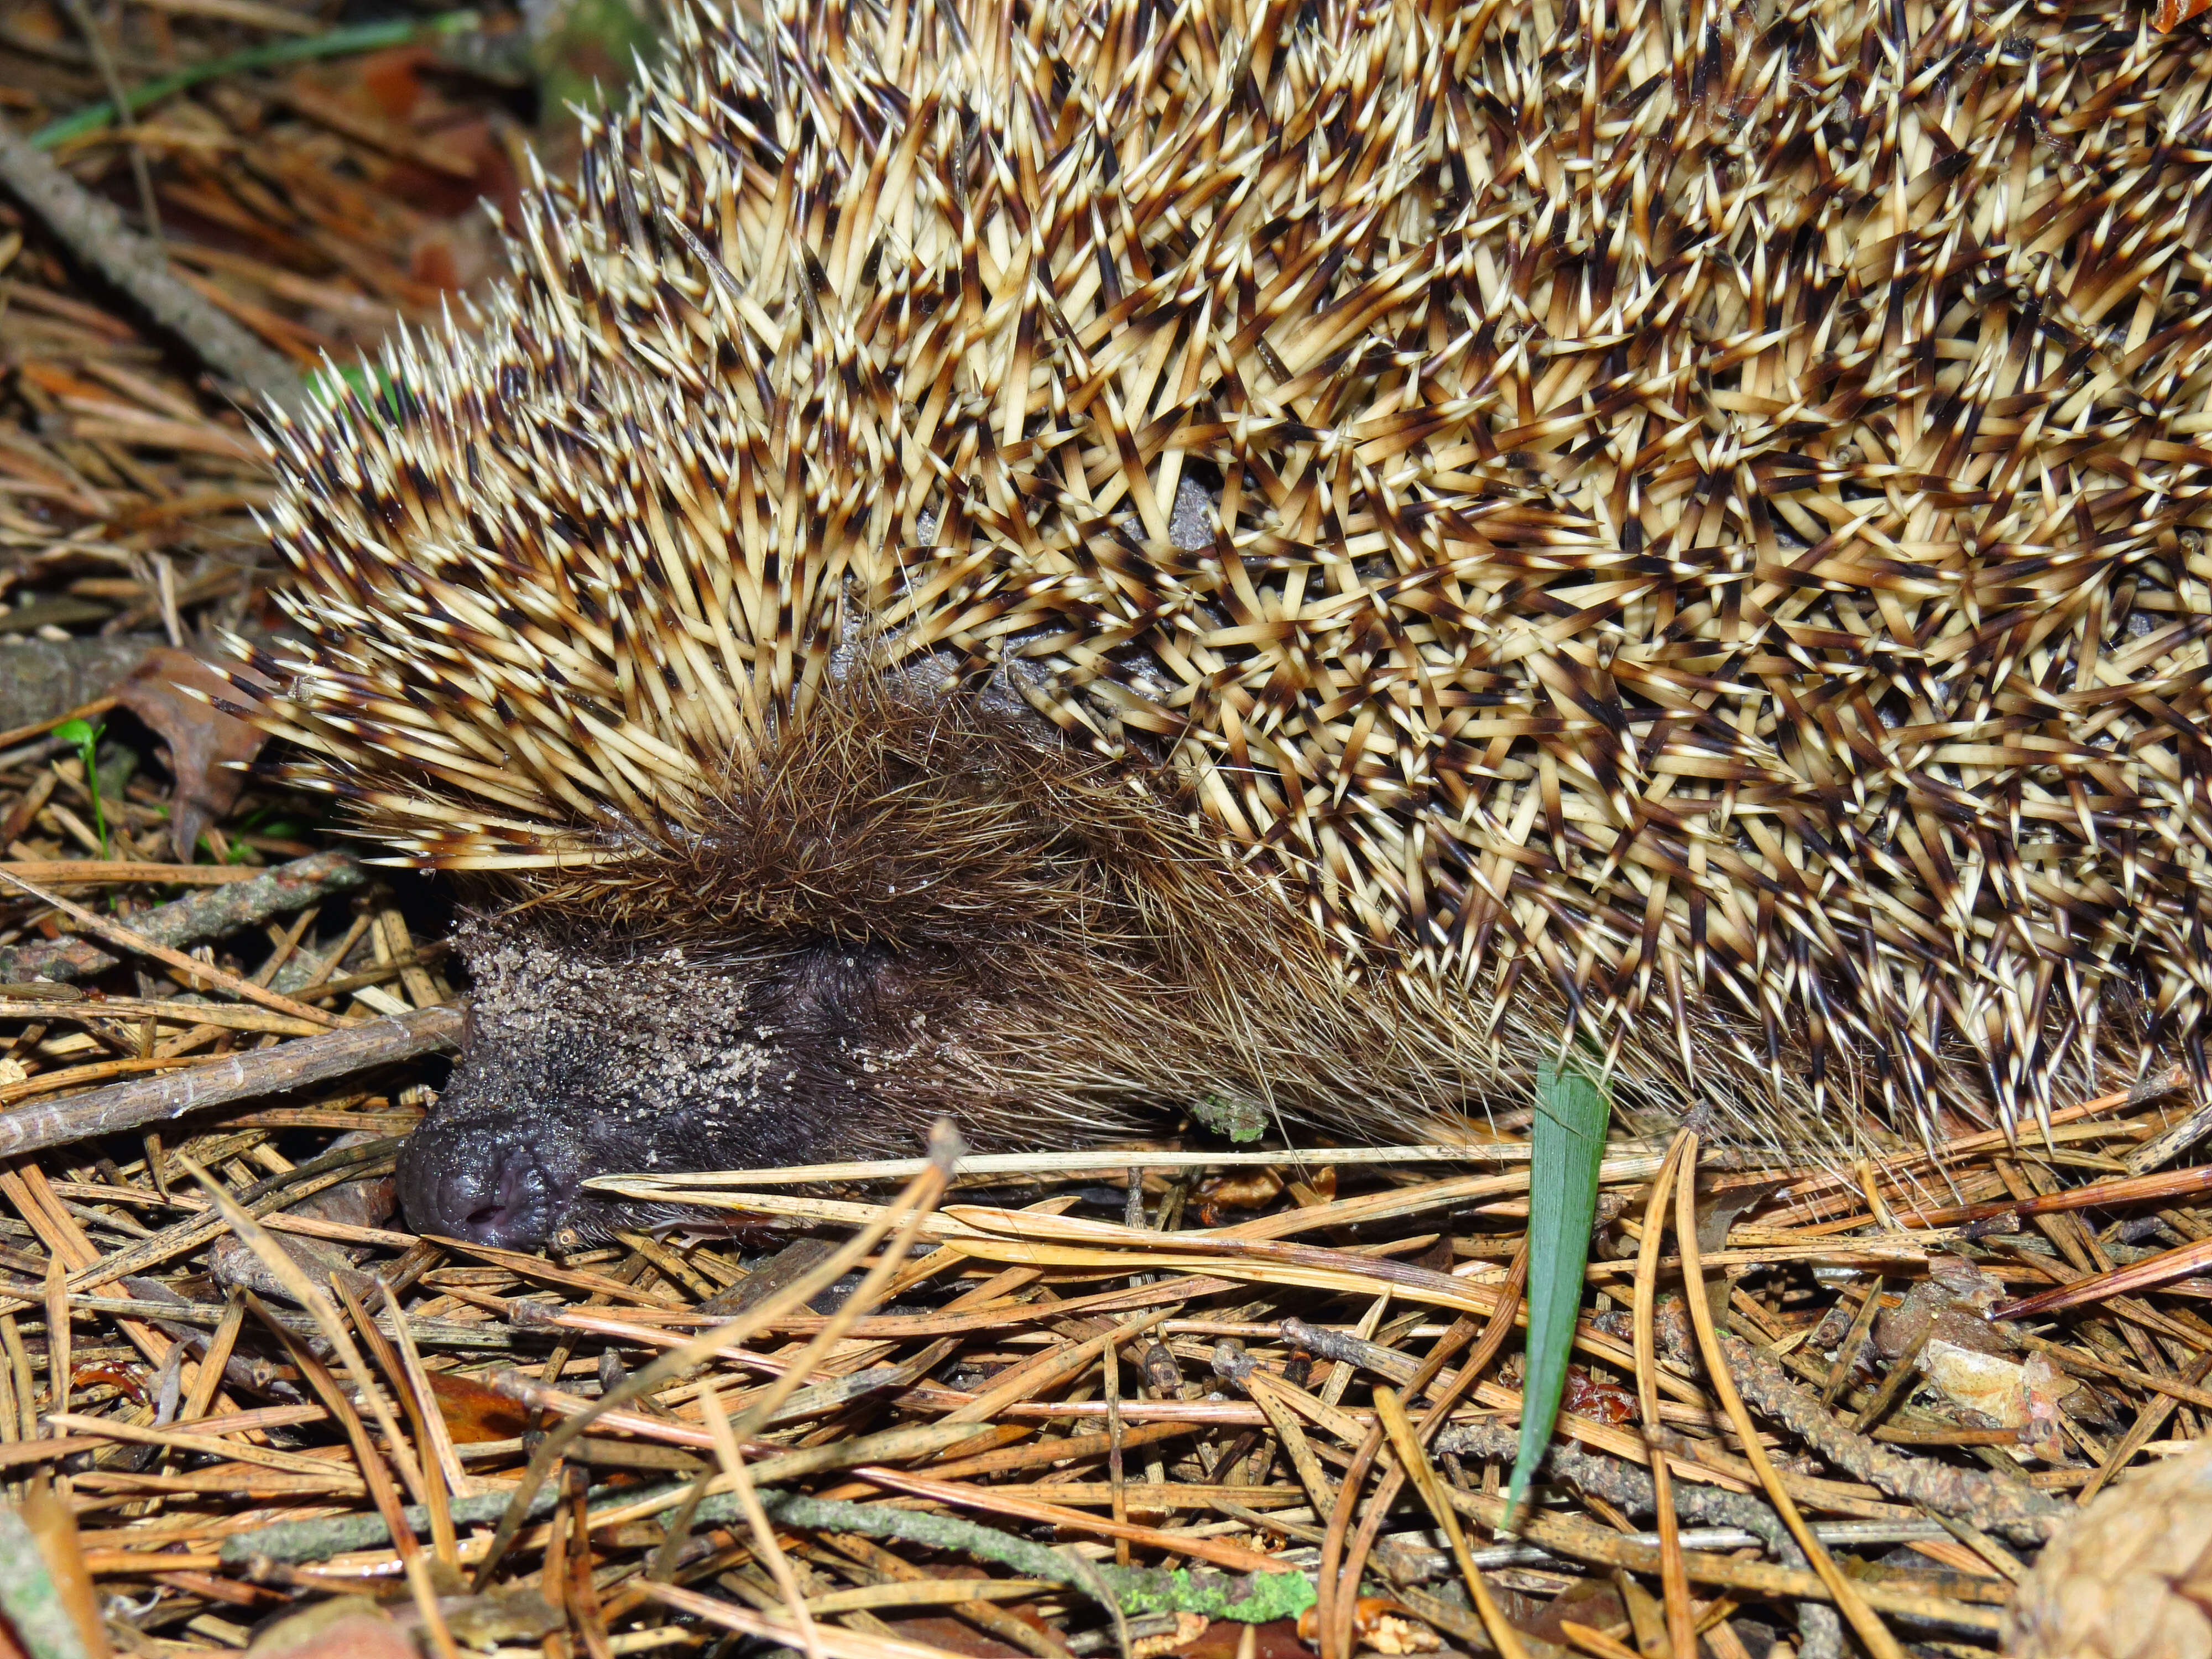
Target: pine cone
{"type": "Point", "coordinates": [2130, 1578]}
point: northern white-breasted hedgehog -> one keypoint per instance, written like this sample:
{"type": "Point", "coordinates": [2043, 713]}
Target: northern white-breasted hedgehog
{"type": "Point", "coordinates": [1033, 560]}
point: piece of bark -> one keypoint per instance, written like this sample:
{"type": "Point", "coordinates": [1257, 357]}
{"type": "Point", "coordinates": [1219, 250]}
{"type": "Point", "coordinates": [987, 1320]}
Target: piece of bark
{"type": "Point", "coordinates": [292, 1064]}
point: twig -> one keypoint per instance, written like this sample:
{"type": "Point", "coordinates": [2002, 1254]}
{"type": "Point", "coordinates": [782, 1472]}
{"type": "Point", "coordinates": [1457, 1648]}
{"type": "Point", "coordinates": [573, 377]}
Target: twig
{"type": "Point", "coordinates": [1582, 1541]}
{"type": "Point", "coordinates": [130, 939]}
{"type": "Point", "coordinates": [96, 233]}
{"type": "Point", "coordinates": [237, 1077]}
{"type": "Point", "coordinates": [1256, 1598]}
{"type": "Point", "coordinates": [339, 1534]}
{"type": "Point", "coordinates": [1633, 1490]}
{"type": "Point", "coordinates": [1253, 1598]}
{"type": "Point", "coordinates": [2020, 1513]}
{"type": "Point", "coordinates": [2164, 1147]}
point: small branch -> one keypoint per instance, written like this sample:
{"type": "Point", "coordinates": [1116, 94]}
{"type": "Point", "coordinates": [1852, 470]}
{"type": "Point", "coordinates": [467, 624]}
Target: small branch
{"type": "Point", "coordinates": [339, 1534]}
{"type": "Point", "coordinates": [96, 233]}
{"type": "Point", "coordinates": [292, 1064]}
{"type": "Point", "coordinates": [2021, 1513]}
{"type": "Point", "coordinates": [1256, 1598]}
{"type": "Point", "coordinates": [214, 978]}
{"type": "Point", "coordinates": [1633, 1490]}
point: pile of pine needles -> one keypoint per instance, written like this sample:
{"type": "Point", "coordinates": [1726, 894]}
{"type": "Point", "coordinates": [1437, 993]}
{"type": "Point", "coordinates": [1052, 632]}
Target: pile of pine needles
{"type": "Point", "coordinates": [311, 184]}
{"type": "Point", "coordinates": [1171, 1398]}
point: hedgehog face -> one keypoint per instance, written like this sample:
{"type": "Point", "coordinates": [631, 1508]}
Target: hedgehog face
{"type": "Point", "coordinates": [588, 1055]}
{"type": "Point", "coordinates": [908, 907]}
{"type": "Point", "coordinates": [585, 1057]}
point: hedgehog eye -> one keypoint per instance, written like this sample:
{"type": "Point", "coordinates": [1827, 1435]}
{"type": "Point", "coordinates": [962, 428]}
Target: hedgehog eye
{"type": "Point", "coordinates": [832, 986]}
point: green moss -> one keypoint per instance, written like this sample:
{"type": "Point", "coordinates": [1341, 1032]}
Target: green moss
{"type": "Point", "coordinates": [586, 51]}
{"type": "Point", "coordinates": [1241, 1120]}
{"type": "Point", "coordinates": [1258, 1598]}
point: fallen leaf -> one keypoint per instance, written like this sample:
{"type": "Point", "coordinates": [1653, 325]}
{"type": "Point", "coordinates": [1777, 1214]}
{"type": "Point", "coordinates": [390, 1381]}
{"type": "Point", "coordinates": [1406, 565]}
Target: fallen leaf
{"type": "Point", "coordinates": [206, 746]}
{"type": "Point", "coordinates": [1585, 1396]}
{"type": "Point", "coordinates": [1248, 1190]}
{"type": "Point", "coordinates": [1997, 1390]}
{"type": "Point", "coordinates": [1979, 1383]}
{"type": "Point", "coordinates": [1950, 1305]}
{"type": "Point", "coordinates": [474, 1413]}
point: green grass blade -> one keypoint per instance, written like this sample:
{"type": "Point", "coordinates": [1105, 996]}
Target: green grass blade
{"type": "Point", "coordinates": [1567, 1143]}
{"type": "Point", "coordinates": [359, 38]}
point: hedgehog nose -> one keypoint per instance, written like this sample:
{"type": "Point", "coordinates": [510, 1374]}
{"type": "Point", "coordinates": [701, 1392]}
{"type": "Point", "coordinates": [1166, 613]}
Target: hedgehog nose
{"type": "Point", "coordinates": [483, 1186]}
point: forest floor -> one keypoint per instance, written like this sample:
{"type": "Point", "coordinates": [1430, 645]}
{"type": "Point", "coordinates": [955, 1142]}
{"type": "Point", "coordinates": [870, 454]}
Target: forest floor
{"type": "Point", "coordinates": [1164, 1400]}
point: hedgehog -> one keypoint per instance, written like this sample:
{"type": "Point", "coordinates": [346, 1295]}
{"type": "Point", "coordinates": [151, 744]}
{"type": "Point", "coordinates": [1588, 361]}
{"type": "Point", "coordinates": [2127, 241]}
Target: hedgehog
{"type": "Point", "coordinates": [1053, 562]}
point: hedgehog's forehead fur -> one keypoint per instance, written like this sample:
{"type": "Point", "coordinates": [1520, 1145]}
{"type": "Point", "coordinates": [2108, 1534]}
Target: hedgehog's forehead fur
{"type": "Point", "coordinates": [1701, 532]}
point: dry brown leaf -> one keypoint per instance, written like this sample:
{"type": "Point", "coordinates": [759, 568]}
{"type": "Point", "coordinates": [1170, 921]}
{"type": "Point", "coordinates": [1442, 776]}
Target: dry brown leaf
{"type": "Point", "coordinates": [473, 1413]}
{"type": "Point", "coordinates": [206, 746]}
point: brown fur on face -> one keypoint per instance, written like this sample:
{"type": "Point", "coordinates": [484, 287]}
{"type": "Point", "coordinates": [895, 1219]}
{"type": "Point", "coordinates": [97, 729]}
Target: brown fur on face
{"type": "Point", "coordinates": [909, 906]}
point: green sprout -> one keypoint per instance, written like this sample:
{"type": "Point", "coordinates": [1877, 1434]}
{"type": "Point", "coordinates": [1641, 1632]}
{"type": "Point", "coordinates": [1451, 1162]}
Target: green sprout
{"type": "Point", "coordinates": [85, 736]}
{"type": "Point", "coordinates": [235, 852]}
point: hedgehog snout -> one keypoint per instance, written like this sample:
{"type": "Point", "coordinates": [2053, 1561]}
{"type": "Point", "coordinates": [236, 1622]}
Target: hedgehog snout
{"type": "Point", "coordinates": [486, 1180]}
{"type": "Point", "coordinates": [588, 1056]}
